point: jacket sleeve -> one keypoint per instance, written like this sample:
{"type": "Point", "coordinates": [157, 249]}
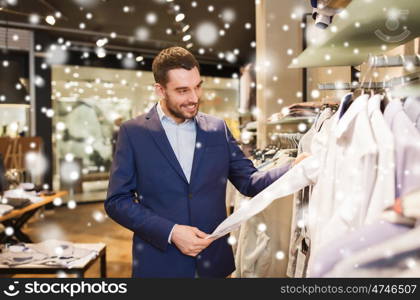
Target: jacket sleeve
{"type": "Point", "coordinates": [121, 204]}
{"type": "Point", "coordinates": [242, 173]}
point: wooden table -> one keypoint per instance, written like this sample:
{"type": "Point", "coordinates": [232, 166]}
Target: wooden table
{"type": "Point", "coordinates": [78, 268]}
{"type": "Point", "coordinates": [18, 217]}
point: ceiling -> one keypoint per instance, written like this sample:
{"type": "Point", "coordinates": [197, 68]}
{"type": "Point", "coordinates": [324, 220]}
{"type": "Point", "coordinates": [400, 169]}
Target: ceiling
{"type": "Point", "coordinates": [366, 28]}
{"type": "Point", "coordinates": [145, 25]}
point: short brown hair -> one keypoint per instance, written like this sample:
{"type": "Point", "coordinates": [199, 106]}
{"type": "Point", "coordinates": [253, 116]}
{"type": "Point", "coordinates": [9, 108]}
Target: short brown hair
{"type": "Point", "coordinates": [172, 58]}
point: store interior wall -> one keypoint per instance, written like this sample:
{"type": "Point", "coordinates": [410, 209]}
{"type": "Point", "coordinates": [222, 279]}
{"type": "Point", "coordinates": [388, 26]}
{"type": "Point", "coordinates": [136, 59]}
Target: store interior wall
{"type": "Point", "coordinates": [277, 85]}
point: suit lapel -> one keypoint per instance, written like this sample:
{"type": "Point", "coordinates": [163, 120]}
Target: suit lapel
{"type": "Point", "coordinates": [156, 130]}
{"type": "Point", "coordinates": [200, 142]}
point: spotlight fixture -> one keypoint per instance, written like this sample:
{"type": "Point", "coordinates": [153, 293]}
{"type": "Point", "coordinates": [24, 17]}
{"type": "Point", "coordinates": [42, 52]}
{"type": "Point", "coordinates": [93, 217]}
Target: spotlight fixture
{"type": "Point", "coordinates": [50, 20]}
{"type": "Point", "coordinates": [179, 17]}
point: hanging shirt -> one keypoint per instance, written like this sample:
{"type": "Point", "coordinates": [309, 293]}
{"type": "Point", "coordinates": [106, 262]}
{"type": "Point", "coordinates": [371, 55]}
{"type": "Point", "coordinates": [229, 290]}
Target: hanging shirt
{"type": "Point", "coordinates": [340, 198]}
{"type": "Point", "coordinates": [255, 255]}
{"type": "Point", "coordinates": [383, 194]}
{"type": "Point", "coordinates": [378, 261]}
{"type": "Point", "coordinates": [299, 237]}
{"type": "Point", "coordinates": [407, 148]}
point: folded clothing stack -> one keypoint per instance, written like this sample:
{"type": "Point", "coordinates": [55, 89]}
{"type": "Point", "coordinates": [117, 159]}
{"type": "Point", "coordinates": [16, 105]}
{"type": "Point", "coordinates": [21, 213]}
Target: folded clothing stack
{"type": "Point", "coordinates": [49, 252]}
{"type": "Point", "coordinates": [4, 209]}
{"type": "Point", "coordinates": [19, 198]}
{"type": "Point", "coordinates": [16, 202]}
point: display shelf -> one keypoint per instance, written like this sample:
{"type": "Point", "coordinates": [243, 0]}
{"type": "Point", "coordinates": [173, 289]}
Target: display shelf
{"type": "Point", "coordinates": [292, 120]}
{"type": "Point", "coordinates": [364, 28]}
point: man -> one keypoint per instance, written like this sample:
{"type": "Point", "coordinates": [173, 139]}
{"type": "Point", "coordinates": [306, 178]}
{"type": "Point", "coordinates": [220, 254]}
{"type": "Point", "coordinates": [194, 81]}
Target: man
{"type": "Point", "coordinates": [169, 175]}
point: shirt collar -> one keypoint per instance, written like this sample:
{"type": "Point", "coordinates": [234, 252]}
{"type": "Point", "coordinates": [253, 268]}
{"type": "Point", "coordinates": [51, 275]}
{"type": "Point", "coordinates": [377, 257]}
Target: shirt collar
{"type": "Point", "coordinates": [358, 105]}
{"type": "Point", "coordinates": [163, 116]}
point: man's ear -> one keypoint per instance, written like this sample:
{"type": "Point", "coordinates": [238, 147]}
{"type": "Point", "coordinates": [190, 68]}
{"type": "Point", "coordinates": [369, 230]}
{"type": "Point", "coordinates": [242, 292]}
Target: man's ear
{"type": "Point", "coordinates": [159, 90]}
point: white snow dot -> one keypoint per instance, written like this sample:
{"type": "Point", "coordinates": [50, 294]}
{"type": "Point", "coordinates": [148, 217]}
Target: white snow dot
{"type": "Point", "coordinates": [71, 204]}
{"type": "Point", "coordinates": [231, 240]}
{"type": "Point", "coordinates": [57, 201]}
{"type": "Point", "coordinates": [9, 231]}
{"type": "Point", "coordinates": [262, 227]}
{"type": "Point", "coordinates": [280, 255]}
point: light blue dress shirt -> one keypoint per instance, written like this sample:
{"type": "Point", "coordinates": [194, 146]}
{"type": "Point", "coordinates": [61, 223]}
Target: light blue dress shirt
{"type": "Point", "coordinates": [182, 139]}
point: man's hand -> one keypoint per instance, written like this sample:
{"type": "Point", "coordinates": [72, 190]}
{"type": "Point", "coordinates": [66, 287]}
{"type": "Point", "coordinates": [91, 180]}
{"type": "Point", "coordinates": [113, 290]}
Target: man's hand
{"type": "Point", "coordinates": [190, 240]}
{"type": "Point", "coordinates": [300, 157]}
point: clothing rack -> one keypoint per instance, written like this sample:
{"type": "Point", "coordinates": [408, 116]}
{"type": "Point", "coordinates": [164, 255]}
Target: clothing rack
{"type": "Point", "coordinates": [384, 61]}
{"type": "Point", "coordinates": [287, 140]}
{"type": "Point", "coordinates": [394, 82]}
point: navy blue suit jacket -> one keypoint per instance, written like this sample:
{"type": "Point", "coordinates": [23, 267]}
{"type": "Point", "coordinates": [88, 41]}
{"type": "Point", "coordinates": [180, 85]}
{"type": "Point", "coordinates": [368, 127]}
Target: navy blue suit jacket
{"type": "Point", "coordinates": [148, 193]}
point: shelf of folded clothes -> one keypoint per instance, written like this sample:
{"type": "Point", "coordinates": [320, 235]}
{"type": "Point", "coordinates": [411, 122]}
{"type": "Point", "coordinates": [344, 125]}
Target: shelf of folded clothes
{"type": "Point", "coordinates": [363, 28]}
{"type": "Point", "coordinates": [51, 256]}
{"type": "Point", "coordinates": [15, 203]}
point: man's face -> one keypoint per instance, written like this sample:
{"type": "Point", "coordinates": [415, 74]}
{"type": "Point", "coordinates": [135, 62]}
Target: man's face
{"type": "Point", "coordinates": [181, 95]}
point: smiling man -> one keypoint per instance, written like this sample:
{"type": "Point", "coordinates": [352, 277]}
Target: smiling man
{"type": "Point", "coordinates": [169, 175]}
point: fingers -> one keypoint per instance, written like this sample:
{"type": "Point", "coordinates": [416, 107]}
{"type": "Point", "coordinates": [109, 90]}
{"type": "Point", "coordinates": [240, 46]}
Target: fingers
{"type": "Point", "coordinates": [190, 240]}
{"type": "Point", "coordinates": [199, 233]}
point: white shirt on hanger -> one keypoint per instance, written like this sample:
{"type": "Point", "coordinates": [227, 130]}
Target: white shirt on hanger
{"type": "Point", "coordinates": [383, 194]}
{"type": "Point", "coordinates": [345, 183]}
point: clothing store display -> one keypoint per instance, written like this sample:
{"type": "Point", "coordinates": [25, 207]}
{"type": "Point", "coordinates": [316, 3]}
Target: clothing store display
{"type": "Point", "coordinates": [49, 252]}
{"type": "Point", "coordinates": [299, 239]}
{"type": "Point", "coordinates": [340, 197]}
{"type": "Point", "coordinates": [16, 202]}
{"type": "Point", "coordinates": [352, 243]}
{"type": "Point", "coordinates": [387, 133]}
{"type": "Point", "coordinates": [4, 209]}
{"type": "Point", "coordinates": [354, 180]}
{"type": "Point", "coordinates": [307, 171]}
{"type": "Point", "coordinates": [393, 258]}
{"type": "Point", "coordinates": [255, 254]}
{"type": "Point", "coordinates": [21, 197]}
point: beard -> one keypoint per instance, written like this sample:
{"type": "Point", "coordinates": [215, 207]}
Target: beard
{"type": "Point", "coordinates": [178, 112]}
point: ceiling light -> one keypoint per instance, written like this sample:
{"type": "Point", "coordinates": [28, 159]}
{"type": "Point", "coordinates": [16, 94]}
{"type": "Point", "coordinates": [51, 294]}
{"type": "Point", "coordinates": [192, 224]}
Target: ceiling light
{"type": "Point", "coordinates": [50, 20]}
{"type": "Point", "coordinates": [185, 28]}
{"type": "Point", "coordinates": [139, 58]}
{"type": "Point", "coordinates": [179, 17]}
{"type": "Point", "coordinates": [186, 38]}
{"type": "Point", "coordinates": [100, 52]}
{"type": "Point", "coordinates": [101, 42]}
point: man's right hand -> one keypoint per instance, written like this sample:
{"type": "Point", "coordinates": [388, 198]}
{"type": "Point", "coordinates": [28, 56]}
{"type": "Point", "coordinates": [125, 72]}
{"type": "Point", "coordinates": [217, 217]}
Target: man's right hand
{"type": "Point", "coordinates": [190, 240]}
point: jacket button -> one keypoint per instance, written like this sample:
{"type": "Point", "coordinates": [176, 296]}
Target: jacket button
{"type": "Point", "coordinates": [189, 196]}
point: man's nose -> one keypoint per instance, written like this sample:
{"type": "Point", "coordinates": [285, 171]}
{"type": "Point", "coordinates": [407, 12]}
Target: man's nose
{"type": "Point", "coordinates": [194, 97]}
